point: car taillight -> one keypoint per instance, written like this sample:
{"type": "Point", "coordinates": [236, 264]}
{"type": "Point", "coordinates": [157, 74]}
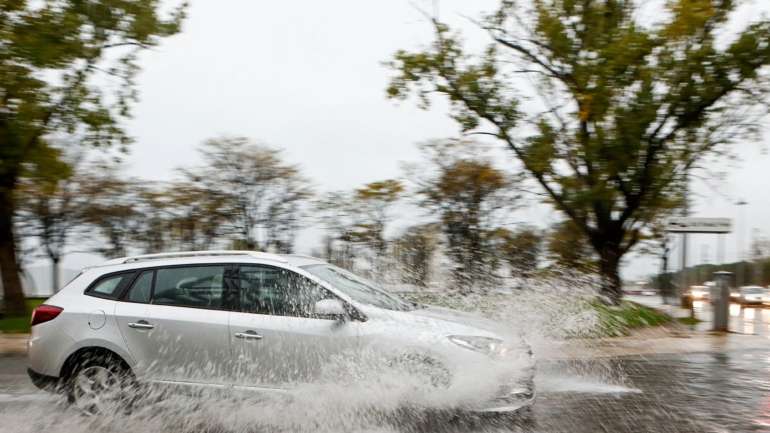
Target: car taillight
{"type": "Point", "coordinates": [44, 313]}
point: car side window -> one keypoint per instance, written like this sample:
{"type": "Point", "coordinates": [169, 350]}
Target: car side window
{"type": "Point", "coordinates": [190, 286]}
{"type": "Point", "coordinates": [141, 290]}
{"type": "Point", "coordinates": [110, 286]}
{"type": "Point", "coordinates": [278, 292]}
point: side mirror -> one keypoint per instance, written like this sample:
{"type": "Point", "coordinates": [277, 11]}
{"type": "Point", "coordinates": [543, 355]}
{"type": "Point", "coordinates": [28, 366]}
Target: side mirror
{"type": "Point", "coordinates": [330, 307]}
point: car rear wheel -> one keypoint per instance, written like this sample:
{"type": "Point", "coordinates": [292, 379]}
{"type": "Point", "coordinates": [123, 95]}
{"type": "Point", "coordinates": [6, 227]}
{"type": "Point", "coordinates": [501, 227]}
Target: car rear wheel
{"type": "Point", "coordinates": [100, 384]}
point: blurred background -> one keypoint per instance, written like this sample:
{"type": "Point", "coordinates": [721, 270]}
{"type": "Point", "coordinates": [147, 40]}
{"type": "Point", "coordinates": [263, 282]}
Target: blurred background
{"type": "Point", "coordinates": [299, 127]}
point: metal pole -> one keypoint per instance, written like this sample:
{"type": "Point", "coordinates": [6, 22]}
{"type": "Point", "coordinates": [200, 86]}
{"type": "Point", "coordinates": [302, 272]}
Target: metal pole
{"type": "Point", "coordinates": [664, 288]}
{"type": "Point", "coordinates": [721, 300]}
{"type": "Point", "coordinates": [683, 276]}
{"type": "Point", "coordinates": [685, 213]}
{"type": "Point", "coordinates": [741, 279]}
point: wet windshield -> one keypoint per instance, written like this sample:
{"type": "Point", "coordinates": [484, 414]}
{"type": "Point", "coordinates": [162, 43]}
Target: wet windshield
{"type": "Point", "coordinates": [359, 289]}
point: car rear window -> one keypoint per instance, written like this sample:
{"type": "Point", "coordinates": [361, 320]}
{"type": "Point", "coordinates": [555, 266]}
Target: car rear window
{"type": "Point", "coordinates": [110, 286]}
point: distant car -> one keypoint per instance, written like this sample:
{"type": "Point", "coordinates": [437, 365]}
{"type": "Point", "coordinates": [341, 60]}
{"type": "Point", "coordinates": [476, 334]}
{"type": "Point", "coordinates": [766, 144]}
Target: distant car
{"type": "Point", "coordinates": [699, 293]}
{"type": "Point", "coordinates": [260, 322]}
{"type": "Point", "coordinates": [753, 295]}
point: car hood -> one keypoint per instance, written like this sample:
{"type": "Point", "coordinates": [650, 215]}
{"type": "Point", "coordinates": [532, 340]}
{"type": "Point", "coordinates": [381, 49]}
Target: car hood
{"type": "Point", "coordinates": [438, 320]}
{"type": "Point", "coordinates": [458, 317]}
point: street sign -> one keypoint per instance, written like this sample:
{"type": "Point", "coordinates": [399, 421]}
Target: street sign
{"type": "Point", "coordinates": [698, 225]}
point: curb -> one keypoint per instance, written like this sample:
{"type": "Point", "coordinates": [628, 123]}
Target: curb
{"type": "Point", "coordinates": [13, 344]}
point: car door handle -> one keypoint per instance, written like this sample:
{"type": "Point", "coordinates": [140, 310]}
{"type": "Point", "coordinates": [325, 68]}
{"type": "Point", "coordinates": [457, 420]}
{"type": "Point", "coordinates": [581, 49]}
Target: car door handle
{"type": "Point", "coordinates": [142, 324]}
{"type": "Point", "coordinates": [248, 335]}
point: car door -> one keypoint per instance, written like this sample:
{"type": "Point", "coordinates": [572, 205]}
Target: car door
{"type": "Point", "coordinates": [181, 335]}
{"type": "Point", "coordinates": [277, 339]}
{"type": "Point", "coordinates": [132, 314]}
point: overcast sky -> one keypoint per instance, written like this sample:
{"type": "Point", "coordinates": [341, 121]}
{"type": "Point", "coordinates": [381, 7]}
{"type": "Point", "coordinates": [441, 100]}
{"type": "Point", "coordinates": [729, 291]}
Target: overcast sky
{"type": "Point", "coordinates": [307, 76]}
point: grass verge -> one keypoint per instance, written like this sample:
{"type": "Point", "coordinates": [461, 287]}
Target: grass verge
{"type": "Point", "coordinates": [690, 321]}
{"type": "Point", "coordinates": [620, 320]}
{"type": "Point", "coordinates": [11, 325]}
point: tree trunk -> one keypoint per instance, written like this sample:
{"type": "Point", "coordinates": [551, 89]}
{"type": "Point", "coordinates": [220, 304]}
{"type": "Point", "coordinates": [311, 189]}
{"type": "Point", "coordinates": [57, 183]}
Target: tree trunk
{"type": "Point", "coordinates": [609, 267]}
{"type": "Point", "coordinates": [13, 296]}
{"type": "Point", "coordinates": [54, 274]}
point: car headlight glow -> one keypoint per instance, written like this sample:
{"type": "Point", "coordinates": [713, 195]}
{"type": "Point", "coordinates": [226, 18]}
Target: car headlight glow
{"type": "Point", "coordinates": [485, 345]}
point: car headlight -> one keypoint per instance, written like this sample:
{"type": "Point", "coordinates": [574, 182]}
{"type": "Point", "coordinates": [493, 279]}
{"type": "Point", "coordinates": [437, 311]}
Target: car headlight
{"type": "Point", "coordinates": [485, 345]}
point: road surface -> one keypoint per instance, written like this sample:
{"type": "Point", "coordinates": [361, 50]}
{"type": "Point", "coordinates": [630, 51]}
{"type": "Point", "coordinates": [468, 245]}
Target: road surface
{"type": "Point", "coordinates": [695, 392]}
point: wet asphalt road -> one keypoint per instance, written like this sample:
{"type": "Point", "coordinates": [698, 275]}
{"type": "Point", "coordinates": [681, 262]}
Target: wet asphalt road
{"type": "Point", "coordinates": [699, 392]}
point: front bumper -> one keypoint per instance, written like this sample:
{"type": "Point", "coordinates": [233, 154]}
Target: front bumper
{"type": "Point", "coordinates": [513, 397]}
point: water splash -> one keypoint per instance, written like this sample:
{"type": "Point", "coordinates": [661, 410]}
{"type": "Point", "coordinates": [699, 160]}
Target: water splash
{"type": "Point", "coordinates": [362, 391]}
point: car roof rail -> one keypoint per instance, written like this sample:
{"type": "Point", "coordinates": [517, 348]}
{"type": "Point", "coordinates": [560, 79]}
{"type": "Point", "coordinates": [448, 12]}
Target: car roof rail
{"type": "Point", "coordinates": [183, 254]}
{"type": "Point", "coordinates": [303, 256]}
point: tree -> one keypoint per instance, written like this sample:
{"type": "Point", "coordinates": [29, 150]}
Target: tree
{"type": "Point", "coordinates": [521, 249]}
{"type": "Point", "coordinates": [262, 194]}
{"type": "Point", "coordinates": [568, 248]}
{"type": "Point", "coordinates": [153, 231]}
{"type": "Point", "coordinates": [49, 204]}
{"type": "Point", "coordinates": [627, 107]}
{"type": "Point", "coordinates": [414, 250]}
{"type": "Point", "coordinates": [49, 54]}
{"type": "Point", "coordinates": [356, 221]}
{"type": "Point", "coordinates": [195, 216]}
{"type": "Point", "coordinates": [337, 214]}
{"type": "Point", "coordinates": [373, 202]}
{"type": "Point", "coordinates": [113, 207]}
{"type": "Point", "coordinates": [467, 193]}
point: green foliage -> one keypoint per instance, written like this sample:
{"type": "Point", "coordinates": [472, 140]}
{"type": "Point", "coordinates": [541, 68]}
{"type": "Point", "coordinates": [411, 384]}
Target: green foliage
{"type": "Point", "coordinates": [414, 250]}
{"type": "Point", "coordinates": [20, 324]}
{"type": "Point", "coordinates": [619, 320]}
{"type": "Point", "coordinates": [50, 51]}
{"type": "Point", "coordinates": [628, 109]}
{"type": "Point", "coordinates": [467, 193]}
{"type": "Point", "coordinates": [356, 221]}
{"type": "Point", "coordinates": [259, 194]}
{"type": "Point", "coordinates": [521, 249]}
{"type": "Point", "coordinates": [689, 321]}
{"type": "Point", "coordinates": [567, 247]}
{"type": "Point", "coordinates": [111, 208]}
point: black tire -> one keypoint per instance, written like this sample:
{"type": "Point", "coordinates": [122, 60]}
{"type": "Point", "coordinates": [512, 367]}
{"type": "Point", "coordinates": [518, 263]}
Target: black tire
{"type": "Point", "coordinates": [100, 382]}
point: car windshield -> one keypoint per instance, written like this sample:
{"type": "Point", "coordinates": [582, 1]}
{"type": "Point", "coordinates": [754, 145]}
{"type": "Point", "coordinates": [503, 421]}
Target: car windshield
{"type": "Point", "coordinates": [359, 289]}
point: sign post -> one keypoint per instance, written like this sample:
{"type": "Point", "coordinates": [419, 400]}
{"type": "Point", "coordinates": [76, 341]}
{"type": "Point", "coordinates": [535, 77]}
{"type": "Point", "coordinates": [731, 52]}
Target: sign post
{"type": "Point", "coordinates": [698, 225]}
{"type": "Point", "coordinates": [685, 225]}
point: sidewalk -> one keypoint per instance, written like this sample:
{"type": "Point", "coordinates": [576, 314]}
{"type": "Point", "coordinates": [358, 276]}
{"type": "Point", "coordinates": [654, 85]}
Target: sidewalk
{"type": "Point", "coordinates": [13, 344]}
{"type": "Point", "coordinates": [652, 341]}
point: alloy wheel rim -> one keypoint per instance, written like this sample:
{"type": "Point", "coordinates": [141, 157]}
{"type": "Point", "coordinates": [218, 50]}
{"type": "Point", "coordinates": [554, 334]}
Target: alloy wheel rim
{"type": "Point", "coordinates": [96, 388]}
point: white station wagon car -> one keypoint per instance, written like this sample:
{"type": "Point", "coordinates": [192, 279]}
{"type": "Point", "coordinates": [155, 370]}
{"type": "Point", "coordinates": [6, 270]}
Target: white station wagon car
{"type": "Point", "coordinates": [261, 322]}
